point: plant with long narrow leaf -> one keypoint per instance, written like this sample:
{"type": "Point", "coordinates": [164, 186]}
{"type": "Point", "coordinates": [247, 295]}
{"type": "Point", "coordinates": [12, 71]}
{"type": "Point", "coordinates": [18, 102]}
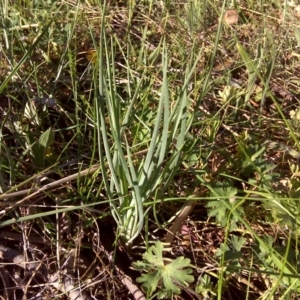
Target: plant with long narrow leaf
{"type": "Point", "coordinates": [130, 183]}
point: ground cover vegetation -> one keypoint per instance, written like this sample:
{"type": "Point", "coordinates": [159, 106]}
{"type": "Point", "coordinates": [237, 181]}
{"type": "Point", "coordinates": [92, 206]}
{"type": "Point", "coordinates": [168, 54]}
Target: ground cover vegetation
{"type": "Point", "coordinates": [149, 149]}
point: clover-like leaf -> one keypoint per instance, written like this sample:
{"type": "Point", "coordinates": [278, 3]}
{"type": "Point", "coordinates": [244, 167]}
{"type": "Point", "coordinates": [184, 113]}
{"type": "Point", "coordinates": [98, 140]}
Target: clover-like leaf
{"type": "Point", "coordinates": [168, 276]}
{"type": "Point", "coordinates": [237, 242]}
{"type": "Point", "coordinates": [150, 281]}
{"type": "Point", "coordinates": [220, 209]}
{"type": "Point", "coordinates": [205, 286]}
{"type": "Point", "coordinates": [175, 273]}
{"type": "Point", "coordinates": [154, 255]}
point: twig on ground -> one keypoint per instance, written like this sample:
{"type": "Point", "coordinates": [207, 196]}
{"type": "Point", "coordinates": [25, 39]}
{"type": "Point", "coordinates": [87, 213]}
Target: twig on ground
{"type": "Point", "coordinates": [132, 288]}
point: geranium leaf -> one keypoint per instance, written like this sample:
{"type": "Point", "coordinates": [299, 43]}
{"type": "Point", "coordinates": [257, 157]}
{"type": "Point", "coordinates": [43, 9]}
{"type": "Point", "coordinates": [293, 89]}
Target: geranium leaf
{"type": "Point", "coordinates": [171, 275]}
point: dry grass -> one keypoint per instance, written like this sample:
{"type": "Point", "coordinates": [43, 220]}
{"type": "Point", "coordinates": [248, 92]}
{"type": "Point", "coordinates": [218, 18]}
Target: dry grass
{"type": "Point", "coordinates": [238, 106]}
